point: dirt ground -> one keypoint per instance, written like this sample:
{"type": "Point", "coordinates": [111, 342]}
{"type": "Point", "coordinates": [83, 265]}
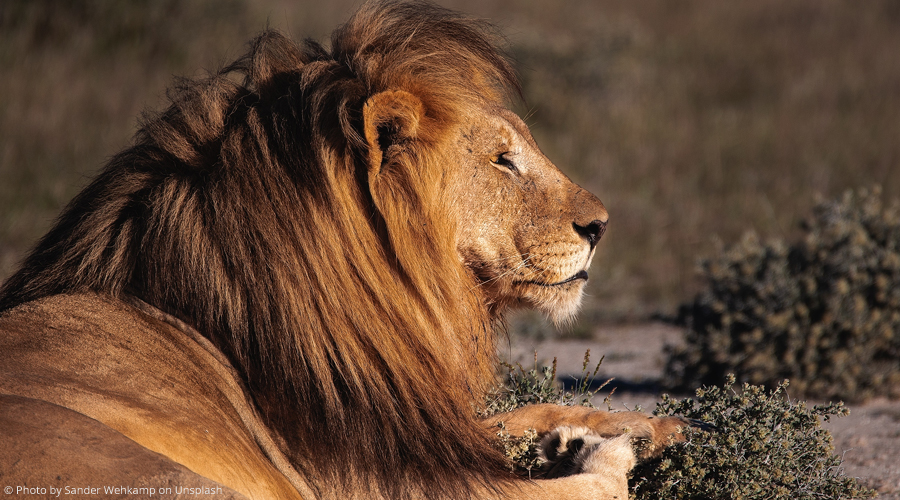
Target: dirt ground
{"type": "Point", "coordinates": [868, 438]}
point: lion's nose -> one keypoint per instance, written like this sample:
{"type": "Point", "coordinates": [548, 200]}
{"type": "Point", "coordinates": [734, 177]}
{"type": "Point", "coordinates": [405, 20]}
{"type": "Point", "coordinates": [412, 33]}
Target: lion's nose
{"type": "Point", "coordinates": [592, 232]}
{"type": "Point", "coordinates": [590, 217]}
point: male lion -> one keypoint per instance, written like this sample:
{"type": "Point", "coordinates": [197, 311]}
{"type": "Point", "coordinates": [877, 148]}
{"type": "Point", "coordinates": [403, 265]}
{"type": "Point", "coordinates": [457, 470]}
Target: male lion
{"type": "Point", "coordinates": [286, 288]}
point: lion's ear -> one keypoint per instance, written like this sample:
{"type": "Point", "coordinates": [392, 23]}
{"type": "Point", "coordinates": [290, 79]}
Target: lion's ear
{"type": "Point", "coordinates": [390, 118]}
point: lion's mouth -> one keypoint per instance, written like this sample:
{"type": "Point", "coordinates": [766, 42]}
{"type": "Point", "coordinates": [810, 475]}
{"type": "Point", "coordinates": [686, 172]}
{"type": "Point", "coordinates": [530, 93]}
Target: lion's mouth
{"type": "Point", "coordinates": [580, 275]}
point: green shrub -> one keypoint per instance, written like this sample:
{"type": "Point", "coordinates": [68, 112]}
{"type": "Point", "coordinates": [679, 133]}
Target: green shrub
{"type": "Point", "coordinates": [823, 313]}
{"type": "Point", "coordinates": [520, 387]}
{"type": "Point", "coordinates": [762, 446]}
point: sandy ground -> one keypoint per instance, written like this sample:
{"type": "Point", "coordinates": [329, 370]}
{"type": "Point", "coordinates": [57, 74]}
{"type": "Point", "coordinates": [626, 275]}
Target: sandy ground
{"type": "Point", "coordinates": [868, 439]}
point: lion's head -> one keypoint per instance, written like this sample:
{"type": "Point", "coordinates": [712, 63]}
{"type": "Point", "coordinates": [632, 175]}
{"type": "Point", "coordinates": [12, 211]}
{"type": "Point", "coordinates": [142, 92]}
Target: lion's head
{"type": "Point", "coordinates": [523, 230]}
{"type": "Point", "coordinates": [526, 231]}
{"type": "Point", "coordinates": [345, 224]}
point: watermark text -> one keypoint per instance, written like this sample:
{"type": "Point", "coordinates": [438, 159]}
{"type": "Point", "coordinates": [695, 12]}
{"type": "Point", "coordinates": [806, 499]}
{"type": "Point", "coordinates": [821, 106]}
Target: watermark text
{"type": "Point", "coordinates": [83, 491]}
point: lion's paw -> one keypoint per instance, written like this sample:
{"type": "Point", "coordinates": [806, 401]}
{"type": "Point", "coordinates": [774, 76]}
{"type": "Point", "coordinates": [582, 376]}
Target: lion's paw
{"type": "Point", "coordinates": [573, 450]}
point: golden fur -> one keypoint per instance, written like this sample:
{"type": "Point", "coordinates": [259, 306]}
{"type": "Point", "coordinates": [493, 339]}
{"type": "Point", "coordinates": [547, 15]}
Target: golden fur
{"type": "Point", "coordinates": [300, 210]}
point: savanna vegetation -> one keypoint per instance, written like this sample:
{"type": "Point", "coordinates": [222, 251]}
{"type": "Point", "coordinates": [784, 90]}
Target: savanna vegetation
{"type": "Point", "coordinates": [823, 311]}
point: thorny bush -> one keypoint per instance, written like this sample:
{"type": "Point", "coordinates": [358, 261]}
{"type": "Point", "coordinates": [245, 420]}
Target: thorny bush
{"type": "Point", "coordinates": [823, 313]}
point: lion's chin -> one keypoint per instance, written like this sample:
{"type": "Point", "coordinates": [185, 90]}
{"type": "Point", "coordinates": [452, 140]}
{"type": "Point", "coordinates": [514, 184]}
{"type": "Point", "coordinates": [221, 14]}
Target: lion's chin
{"type": "Point", "coordinates": [560, 303]}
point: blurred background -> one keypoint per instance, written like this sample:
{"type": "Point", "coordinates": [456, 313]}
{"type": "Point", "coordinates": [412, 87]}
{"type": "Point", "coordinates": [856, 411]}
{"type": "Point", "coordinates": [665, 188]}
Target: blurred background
{"type": "Point", "coordinates": [694, 121]}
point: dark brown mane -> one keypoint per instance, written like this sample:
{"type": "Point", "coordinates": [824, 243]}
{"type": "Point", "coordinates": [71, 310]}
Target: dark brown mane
{"type": "Point", "coordinates": [244, 209]}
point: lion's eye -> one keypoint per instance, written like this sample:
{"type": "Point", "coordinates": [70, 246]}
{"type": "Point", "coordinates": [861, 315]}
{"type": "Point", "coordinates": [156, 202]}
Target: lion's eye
{"type": "Point", "coordinates": [503, 160]}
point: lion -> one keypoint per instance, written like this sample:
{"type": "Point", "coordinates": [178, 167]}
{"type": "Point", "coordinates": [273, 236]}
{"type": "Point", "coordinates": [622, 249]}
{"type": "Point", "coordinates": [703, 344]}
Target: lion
{"type": "Point", "coordinates": [288, 286]}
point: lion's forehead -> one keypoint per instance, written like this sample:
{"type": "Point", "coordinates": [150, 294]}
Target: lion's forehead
{"type": "Point", "coordinates": [497, 130]}
{"type": "Point", "coordinates": [518, 125]}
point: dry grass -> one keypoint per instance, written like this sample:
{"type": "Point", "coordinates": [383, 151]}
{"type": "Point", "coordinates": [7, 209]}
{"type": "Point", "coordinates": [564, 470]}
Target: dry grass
{"type": "Point", "coordinates": [692, 120]}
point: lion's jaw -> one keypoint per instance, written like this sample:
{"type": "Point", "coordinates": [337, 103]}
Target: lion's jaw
{"type": "Point", "coordinates": [525, 231]}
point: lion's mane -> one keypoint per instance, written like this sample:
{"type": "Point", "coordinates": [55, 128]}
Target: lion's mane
{"type": "Point", "coordinates": [245, 209]}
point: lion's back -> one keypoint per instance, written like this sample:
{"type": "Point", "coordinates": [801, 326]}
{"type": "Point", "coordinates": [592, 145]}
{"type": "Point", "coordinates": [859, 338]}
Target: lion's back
{"type": "Point", "coordinates": [94, 392]}
{"type": "Point", "coordinates": [48, 446]}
